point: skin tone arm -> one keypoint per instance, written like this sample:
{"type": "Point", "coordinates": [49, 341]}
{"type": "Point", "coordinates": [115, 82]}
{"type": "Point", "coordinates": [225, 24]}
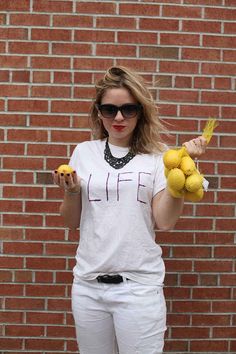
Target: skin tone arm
{"type": "Point", "coordinates": [166, 209]}
{"type": "Point", "coordinates": [70, 208]}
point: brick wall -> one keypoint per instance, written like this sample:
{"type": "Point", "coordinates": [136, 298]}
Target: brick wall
{"type": "Point", "coordinates": [51, 53]}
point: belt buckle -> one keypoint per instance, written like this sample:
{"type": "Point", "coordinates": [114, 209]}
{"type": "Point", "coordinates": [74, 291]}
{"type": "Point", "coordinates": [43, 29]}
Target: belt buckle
{"type": "Point", "coordinates": [110, 279]}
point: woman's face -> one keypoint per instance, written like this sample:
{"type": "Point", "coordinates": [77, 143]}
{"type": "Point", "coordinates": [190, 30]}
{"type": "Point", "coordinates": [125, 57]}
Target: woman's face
{"type": "Point", "coordinates": [120, 129]}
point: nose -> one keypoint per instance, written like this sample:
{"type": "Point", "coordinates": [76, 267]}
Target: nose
{"type": "Point", "coordinates": [119, 116]}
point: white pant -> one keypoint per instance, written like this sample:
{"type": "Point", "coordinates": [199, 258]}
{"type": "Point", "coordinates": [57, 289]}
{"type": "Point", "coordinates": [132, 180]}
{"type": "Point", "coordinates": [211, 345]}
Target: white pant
{"type": "Point", "coordinates": [129, 318]}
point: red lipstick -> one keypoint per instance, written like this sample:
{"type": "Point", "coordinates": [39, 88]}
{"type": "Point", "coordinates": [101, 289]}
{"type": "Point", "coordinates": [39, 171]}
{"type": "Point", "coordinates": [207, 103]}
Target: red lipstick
{"type": "Point", "coordinates": [118, 127]}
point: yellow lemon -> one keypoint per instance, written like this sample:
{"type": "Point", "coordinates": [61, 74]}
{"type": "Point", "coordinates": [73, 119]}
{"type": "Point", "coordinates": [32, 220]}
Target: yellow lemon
{"type": "Point", "coordinates": [194, 196]}
{"type": "Point", "coordinates": [193, 182]}
{"type": "Point", "coordinates": [65, 169]}
{"type": "Point", "coordinates": [166, 172]}
{"type": "Point", "coordinates": [176, 194]}
{"type": "Point", "coordinates": [176, 179]}
{"type": "Point", "coordinates": [201, 175]}
{"type": "Point", "coordinates": [184, 151]}
{"type": "Point", "coordinates": [187, 165]}
{"type": "Point", "coordinates": [172, 158]}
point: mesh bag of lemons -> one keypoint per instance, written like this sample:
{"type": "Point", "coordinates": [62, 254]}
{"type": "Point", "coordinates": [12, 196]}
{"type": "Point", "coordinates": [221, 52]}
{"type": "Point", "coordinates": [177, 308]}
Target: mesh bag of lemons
{"type": "Point", "coordinates": [183, 177]}
{"type": "Point", "coordinates": [182, 174]}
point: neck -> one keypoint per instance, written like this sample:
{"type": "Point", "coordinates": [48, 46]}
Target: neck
{"type": "Point", "coordinates": [120, 143]}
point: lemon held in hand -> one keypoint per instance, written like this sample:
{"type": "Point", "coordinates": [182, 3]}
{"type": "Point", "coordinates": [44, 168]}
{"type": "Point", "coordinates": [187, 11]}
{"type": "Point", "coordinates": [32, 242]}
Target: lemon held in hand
{"type": "Point", "coordinates": [65, 169]}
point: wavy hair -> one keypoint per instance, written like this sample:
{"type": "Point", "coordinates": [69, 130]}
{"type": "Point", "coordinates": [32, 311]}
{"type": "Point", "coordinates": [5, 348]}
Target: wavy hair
{"type": "Point", "coordinates": [147, 134]}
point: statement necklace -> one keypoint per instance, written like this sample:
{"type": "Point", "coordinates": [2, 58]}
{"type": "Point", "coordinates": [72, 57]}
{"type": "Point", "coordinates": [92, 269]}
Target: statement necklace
{"type": "Point", "coordinates": [115, 161]}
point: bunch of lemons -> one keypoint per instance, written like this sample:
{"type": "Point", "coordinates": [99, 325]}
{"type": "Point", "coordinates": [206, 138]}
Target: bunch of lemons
{"type": "Point", "coordinates": [183, 177]}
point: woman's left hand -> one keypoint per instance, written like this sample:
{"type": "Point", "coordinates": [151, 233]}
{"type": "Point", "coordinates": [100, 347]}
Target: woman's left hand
{"type": "Point", "coordinates": [196, 147]}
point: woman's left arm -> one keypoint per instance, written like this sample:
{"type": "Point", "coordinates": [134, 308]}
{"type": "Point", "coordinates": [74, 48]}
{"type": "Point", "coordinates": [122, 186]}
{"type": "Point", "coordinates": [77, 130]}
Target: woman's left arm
{"type": "Point", "coordinates": [167, 209]}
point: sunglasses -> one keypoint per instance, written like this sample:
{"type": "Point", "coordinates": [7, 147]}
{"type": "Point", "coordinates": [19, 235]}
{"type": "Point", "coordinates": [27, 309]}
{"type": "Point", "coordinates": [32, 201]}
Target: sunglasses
{"type": "Point", "coordinates": [128, 110]}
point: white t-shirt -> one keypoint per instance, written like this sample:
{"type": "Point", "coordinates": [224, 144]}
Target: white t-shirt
{"type": "Point", "coordinates": [117, 227]}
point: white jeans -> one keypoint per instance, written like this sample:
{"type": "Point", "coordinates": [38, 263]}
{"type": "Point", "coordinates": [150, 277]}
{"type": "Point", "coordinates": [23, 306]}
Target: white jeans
{"type": "Point", "coordinates": [124, 318]}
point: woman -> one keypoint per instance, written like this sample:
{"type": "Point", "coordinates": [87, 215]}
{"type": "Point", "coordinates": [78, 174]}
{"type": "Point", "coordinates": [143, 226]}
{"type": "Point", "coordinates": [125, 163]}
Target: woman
{"type": "Point", "coordinates": [116, 195]}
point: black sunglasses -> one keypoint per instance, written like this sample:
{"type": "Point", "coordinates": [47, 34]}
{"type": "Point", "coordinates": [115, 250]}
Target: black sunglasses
{"type": "Point", "coordinates": [128, 110]}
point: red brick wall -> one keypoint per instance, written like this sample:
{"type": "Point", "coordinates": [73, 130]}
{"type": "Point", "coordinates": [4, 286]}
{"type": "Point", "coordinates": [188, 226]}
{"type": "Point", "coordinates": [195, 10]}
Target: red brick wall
{"type": "Point", "coordinates": [51, 53]}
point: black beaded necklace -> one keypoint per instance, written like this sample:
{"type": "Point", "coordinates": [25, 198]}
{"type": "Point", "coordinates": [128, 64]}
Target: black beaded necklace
{"type": "Point", "coordinates": [116, 162]}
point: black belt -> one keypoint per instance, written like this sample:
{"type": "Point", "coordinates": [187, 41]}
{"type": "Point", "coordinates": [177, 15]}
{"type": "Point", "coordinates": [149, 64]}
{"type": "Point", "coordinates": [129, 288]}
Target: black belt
{"type": "Point", "coordinates": [110, 279]}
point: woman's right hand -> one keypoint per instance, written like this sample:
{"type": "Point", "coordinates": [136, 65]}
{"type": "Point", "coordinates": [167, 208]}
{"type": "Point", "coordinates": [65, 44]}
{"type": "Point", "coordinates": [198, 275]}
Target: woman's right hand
{"type": "Point", "coordinates": [69, 182]}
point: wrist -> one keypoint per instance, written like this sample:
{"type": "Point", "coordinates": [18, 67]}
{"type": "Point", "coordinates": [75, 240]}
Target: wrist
{"type": "Point", "coordinates": [75, 192]}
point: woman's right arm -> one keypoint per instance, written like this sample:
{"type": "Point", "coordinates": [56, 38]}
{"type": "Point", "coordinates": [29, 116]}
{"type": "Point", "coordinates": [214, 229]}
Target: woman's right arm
{"type": "Point", "coordinates": [71, 206]}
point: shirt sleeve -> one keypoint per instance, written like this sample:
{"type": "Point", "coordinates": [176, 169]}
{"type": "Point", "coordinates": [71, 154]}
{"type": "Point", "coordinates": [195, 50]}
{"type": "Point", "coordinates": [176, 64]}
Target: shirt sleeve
{"type": "Point", "coordinates": [159, 178]}
{"type": "Point", "coordinates": [74, 160]}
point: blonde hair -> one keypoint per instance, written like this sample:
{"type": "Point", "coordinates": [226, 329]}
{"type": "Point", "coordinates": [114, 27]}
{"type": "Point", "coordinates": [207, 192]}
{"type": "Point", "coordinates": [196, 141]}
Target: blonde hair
{"type": "Point", "coordinates": [146, 137]}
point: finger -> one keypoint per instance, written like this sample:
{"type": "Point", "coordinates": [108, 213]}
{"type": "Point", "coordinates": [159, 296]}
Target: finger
{"type": "Point", "coordinates": [69, 181]}
{"type": "Point", "coordinates": [67, 177]}
{"type": "Point", "coordinates": [198, 146]}
{"type": "Point", "coordinates": [62, 181]}
{"type": "Point", "coordinates": [189, 143]}
{"type": "Point", "coordinates": [75, 177]}
{"type": "Point", "coordinates": [203, 141]}
{"type": "Point", "coordinates": [192, 148]}
{"type": "Point", "coordinates": [55, 177]}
